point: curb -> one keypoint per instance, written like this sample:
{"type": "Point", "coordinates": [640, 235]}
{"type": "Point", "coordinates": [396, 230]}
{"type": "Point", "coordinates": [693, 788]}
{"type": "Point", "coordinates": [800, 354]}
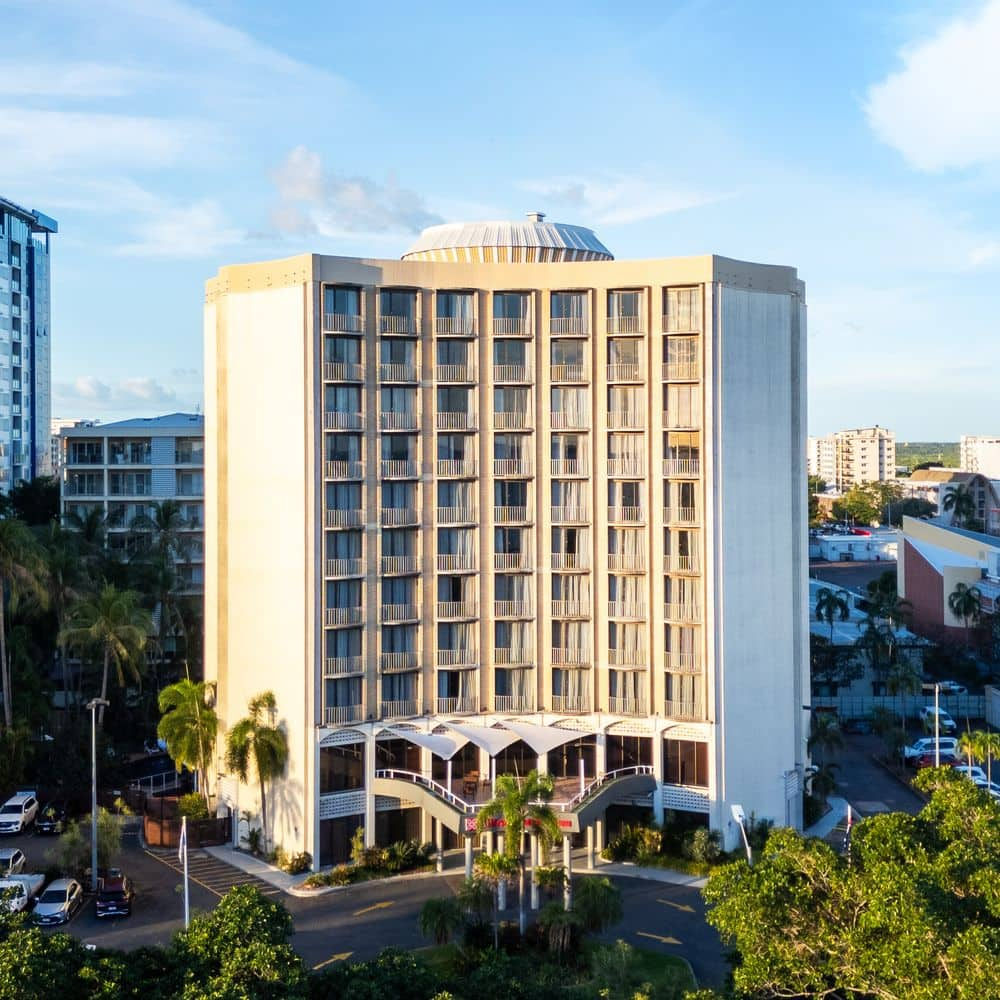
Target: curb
{"type": "Point", "coordinates": [324, 890]}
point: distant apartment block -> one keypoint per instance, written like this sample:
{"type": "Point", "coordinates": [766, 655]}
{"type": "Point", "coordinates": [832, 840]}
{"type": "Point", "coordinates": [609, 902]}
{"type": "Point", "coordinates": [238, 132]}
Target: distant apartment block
{"type": "Point", "coordinates": [124, 468]}
{"type": "Point", "coordinates": [56, 426]}
{"type": "Point", "coordinates": [980, 454]}
{"type": "Point", "coordinates": [25, 351]}
{"type": "Point", "coordinates": [846, 458]}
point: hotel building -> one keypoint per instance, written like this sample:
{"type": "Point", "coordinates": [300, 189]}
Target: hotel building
{"type": "Point", "coordinates": [509, 503]}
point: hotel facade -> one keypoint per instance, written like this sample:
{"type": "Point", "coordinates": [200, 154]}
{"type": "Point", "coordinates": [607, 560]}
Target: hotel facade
{"type": "Point", "coordinates": [509, 503]}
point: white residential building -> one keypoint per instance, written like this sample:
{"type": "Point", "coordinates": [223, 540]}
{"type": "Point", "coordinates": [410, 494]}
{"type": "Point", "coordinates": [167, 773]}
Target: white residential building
{"type": "Point", "coordinates": [847, 458]}
{"type": "Point", "coordinates": [980, 454]}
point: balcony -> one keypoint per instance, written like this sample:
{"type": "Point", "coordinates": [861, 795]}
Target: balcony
{"type": "Point", "coordinates": [455, 373]}
{"type": "Point", "coordinates": [681, 468]}
{"type": "Point", "coordinates": [399, 565]}
{"type": "Point", "coordinates": [511, 373]}
{"type": "Point", "coordinates": [626, 325]}
{"type": "Point", "coordinates": [343, 323]}
{"type": "Point", "coordinates": [72, 489]}
{"type": "Point", "coordinates": [456, 562]}
{"type": "Point", "coordinates": [393, 614]}
{"type": "Point", "coordinates": [571, 609]}
{"type": "Point", "coordinates": [680, 515]}
{"type": "Point", "coordinates": [399, 517]}
{"type": "Point", "coordinates": [342, 371]}
{"type": "Point", "coordinates": [681, 422]}
{"type": "Point", "coordinates": [562, 420]}
{"type": "Point", "coordinates": [399, 662]}
{"type": "Point", "coordinates": [511, 420]}
{"type": "Point", "coordinates": [626, 371]}
{"type": "Point", "coordinates": [626, 420]}
{"type": "Point", "coordinates": [393, 372]}
{"type": "Point", "coordinates": [403, 326]}
{"type": "Point", "coordinates": [506, 656]}
{"type": "Point", "coordinates": [629, 610]}
{"type": "Point", "coordinates": [687, 611]}
{"type": "Point", "coordinates": [568, 373]}
{"type": "Point", "coordinates": [627, 468]}
{"type": "Point", "coordinates": [627, 706]}
{"type": "Point", "coordinates": [682, 564]}
{"type": "Point", "coordinates": [681, 371]}
{"type": "Point", "coordinates": [684, 663]}
{"type": "Point", "coordinates": [570, 515]}
{"type": "Point", "coordinates": [628, 657]}
{"type": "Point", "coordinates": [456, 515]}
{"type": "Point", "coordinates": [457, 609]}
{"type": "Point", "coordinates": [682, 323]}
{"type": "Point", "coordinates": [457, 468]}
{"type": "Point", "coordinates": [344, 567]}
{"type": "Point", "coordinates": [518, 327]}
{"type": "Point", "coordinates": [511, 703]}
{"type": "Point", "coordinates": [449, 421]}
{"type": "Point", "coordinates": [513, 609]}
{"type": "Point", "coordinates": [345, 616]}
{"type": "Point", "coordinates": [626, 515]}
{"type": "Point", "coordinates": [399, 468]}
{"type": "Point", "coordinates": [343, 470]}
{"type": "Point", "coordinates": [84, 458]}
{"type": "Point", "coordinates": [570, 326]}
{"type": "Point", "coordinates": [570, 703]}
{"type": "Point", "coordinates": [398, 421]}
{"type": "Point", "coordinates": [568, 467]}
{"type": "Point", "coordinates": [345, 518]}
{"type": "Point", "coordinates": [506, 467]}
{"type": "Point", "coordinates": [339, 666]}
{"type": "Point", "coordinates": [457, 706]}
{"type": "Point", "coordinates": [343, 714]}
{"type": "Point", "coordinates": [455, 326]}
{"type": "Point", "coordinates": [692, 710]}
{"type": "Point", "coordinates": [571, 656]}
{"type": "Point", "coordinates": [457, 657]}
{"type": "Point", "coordinates": [336, 421]}
{"type": "Point", "coordinates": [512, 560]}
{"type": "Point", "coordinates": [399, 709]}
{"type": "Point", "coordinates": [510, 515]}
{"type": "Point", "coordinates": [571, 560]}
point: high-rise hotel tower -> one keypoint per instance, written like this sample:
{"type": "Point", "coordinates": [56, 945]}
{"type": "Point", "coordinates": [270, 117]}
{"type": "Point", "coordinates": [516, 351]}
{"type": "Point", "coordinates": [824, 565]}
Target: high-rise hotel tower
{"type": "Point", "coordinates": [509, 503]}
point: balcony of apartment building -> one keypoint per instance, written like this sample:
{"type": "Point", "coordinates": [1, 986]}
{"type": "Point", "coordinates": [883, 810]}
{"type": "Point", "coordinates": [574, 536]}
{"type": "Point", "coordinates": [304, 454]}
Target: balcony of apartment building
{"type": "Point", "coordinates": [456, 409]}
{"type": "Point", "coordinates": [627, 610]}
{"type": "Point", "coordinates": [575, 603]}
{"type": "Point", "coordinates": [339, 567]}
{"type": "Point", "coordinates": [130, 484]}
{"type": "Point", "coordinates": [626, 362]}
{"type": "Point", "coordinates": [342, 310]}
{"type": "Point", "coordinates": [342, 701]}
{"type": "Point", "coordinates": [343, 665]}
{"type": "Point", "coordinates": [569, 314]}
{"type": "Point", "coordinates": [512, 410]}
{"type": "Point", "coordinates": [343, 360]}
{"type": "Point", "coordinates": [513, 596]}
{"type": "Point", "coordinates": [189, 451]}
{"type": "Point", "coordinates": [512, 502]}
{"type": "Point", "coordinates": [457, 502]}
{"type": "Point", "coordinates": [570, 409]}
{"type": "Point", "coordinates": [514, 689]}
{"type": "Point", "coordinates": [685, 698]}
{"type": "Point", "coordinates": [122, 516]}
{"type": "Point", "coordinates": [626, 312]}
{"type": "Point", "coordinates": [457, 692]}
{"type": "Point", "coordinates": [682, 463]}
{"type": "Point", "coordinates": [682, 407]}
{"type": "Point", "coordinates": [569, 455]}
{"type": "Point", "coordinates": [398, 409]}
{"type": "Point", "coordinates": [83, 484]}
{"type": "Point", "coordinates": [626, 456]}
{"type": "Point", "coordinates": [568, 361]}
{"type": "Point", "coordinates": [398, 313]}
{"type": "Point", "coordinates": [399, 517]}
{"type": "Point", "coordinates": [683, 610]}
{"type": "Point", "coordinates": [399, 457]}
{"type": "Point", "coordinates": [455, 314]}
{"type": "Point", "coordinates": [189, 484]}
{"type": "Point", "coordinates": [457, 645]}
{"type": "Point", "coordinates": [398, 362]}
{"type": "Point", "coordinates": [512, 549]}
{"type": "Point", "coordinates": [628, 692]}
{"type": "Point", "coordinates": [125, 451]}
{"type": "Point", "coordinates": [511, 362]}
{"type": "Point", "coordinates": [680, 360]}
{"type": "Point", "coordinates": [342, 408]}
{"type": "Point", "coordinates": [456, 550]}
{"type": "Point", "coordinates": [570, 646]}
{"type": "Point", "coordinates": [570, 690]}
{"type": "Point", "coordinates": [680, 513]}
{"type": "Point", "coordinates": [626, 408]}
{"type": "Point", "coordinates": [84, 452]}
{"type": "Point", "coordinates": [457, 468]}
{"type": "Point", "coordinates": [570, 548]}
{"type": "Point", "coordinates": [570, 501]}
{"type": "Point", "coordinates": [624, 512]}
{"type": "Point", "coordinates": [512, 314]}
{"type": "Point", "coordinates": [683, 562]}
{"type": "Point", "coordinates": [682, 310]}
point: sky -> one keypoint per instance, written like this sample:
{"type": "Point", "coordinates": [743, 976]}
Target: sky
{"type": "Point", "coordinates": [858, 142]}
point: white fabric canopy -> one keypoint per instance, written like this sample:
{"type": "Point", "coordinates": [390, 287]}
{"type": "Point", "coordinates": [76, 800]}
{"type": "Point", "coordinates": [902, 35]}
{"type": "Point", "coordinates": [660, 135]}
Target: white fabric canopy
{"type": "Point", "coordinates": [441, 746]}
{"type": "Point", "coordinates": [542, 739]}
{"type": "Point", "coordinates": [490, 740]}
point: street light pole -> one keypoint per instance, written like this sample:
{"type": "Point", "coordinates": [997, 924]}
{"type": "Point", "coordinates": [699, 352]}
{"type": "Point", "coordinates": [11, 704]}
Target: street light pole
{"type": "Point", "coordinates": [937, 725]}
{"type": "Point", "coordinates": [92, 706]}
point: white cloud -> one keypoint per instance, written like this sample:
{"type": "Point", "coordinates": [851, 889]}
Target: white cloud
{"type": "Point", "coordinates": [942, 109]}
{"type": "Point", "coordinates": [181, 231]}
{"type": "Point", "coordinates": [73, 80]}
{"type": "Point", "coordinates": [618, 199]}
{"type": "Point", "coordinates": [314, 200]}
{"type": "Point", "coordinates": [984, 254]}
{"type": "Point", "coordinates": [88, 394]}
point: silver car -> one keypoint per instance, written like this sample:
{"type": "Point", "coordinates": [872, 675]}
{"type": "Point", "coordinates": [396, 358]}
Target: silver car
{"type": "Point", "coordinates": [59, 903]}
{"type": "Point", "coordinates": [12, 861]}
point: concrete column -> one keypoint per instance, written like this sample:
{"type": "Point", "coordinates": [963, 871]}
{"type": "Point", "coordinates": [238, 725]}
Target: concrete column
{"type": "Point", "coordinates": [599, 835]}
{"type": "Point", "coordinates": [601, 754]}
{"type": "Point", "coordinates": [501, 843]}
{"type": "Point", "coordinates": [468, 857]}
{"type": "Point", "coordinates": [426, 827]}
{"type": "Point", "coordinates": [543, 763]}
{"type": "Point", "coordinates": [491, 847]}
{"type": "Point", "coordinates": [568, 865]}
{"type": "Point", "coordinates": [590, 848]}
{"type": "Point", "coordinates": [658, 804]}
{"type": "Point", "coordinates": [502, 896]}
{"type": "Point", "coordinates": [439, 844]}
{"type": "Point", "coordinates": [534, 871]}
{"type": "Point", "coordinates": [658, 749]}
{"type": "Point", "coordinates": [370, 787]}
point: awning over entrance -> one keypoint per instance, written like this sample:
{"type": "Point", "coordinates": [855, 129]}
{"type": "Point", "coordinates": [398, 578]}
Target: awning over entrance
{"type": "Point", "coordinates": [441, 746]}
{"type": "Point", "coordinates": [493, 741]}
{"type": "Point", "coordinates": [542, 739]}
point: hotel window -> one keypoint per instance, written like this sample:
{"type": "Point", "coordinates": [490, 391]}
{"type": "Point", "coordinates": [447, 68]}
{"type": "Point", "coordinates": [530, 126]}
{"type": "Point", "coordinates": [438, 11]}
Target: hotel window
{"type": "Point", "coordinates": [685, 762]}
{"type": "Point", "coordinates": [342, 302]}
{"type": "Point", "coordinates": [682, 310]}
{"type": "Point", "coordinates": [342, 350]}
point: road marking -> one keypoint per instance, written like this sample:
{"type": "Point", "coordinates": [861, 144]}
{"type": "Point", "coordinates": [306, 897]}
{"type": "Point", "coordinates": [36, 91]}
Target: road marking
{"type": "Point", "coordinates": [375, 906]}
{"type": "Point", "coordinates": [658, 937]}
{"type": "Point", "coordinates": [342, 957]}
{"type": "Point", "coordinates": [214, 877]}
{"type": "Point", "coordinates": [677, 906]}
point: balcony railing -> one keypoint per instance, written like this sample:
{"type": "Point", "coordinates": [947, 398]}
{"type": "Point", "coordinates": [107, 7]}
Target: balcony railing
{"type": "Point", "coordinates": [399, 468]}
{"type": "Point", "coordinates": [455, 326]}
{"type": "Point", "coordinates": [343, 323]}
{"type": "Point", "coordinates": [633, 610]}
{"type": "Point", "coordinates": [570, 560]}
{"type": "Point", "coordinates": [341, 714]}
{"type": "Point", "coordinates": [512, 560]}
{"type": "Point", "coordinates": [568, 373]}
{"type": "Point", "coordinates": [682, 564]}
{"type": "Point", "coordinates": [568, 467]}
{"type": "Point", "coordinates": [570, 515]}
{"type": "Point", "coordinates": [683, 710]}
{"type": "Point", "coordinates": [626, 324]}
{"type": "Point", "coordinates": [343, 470]}
{"type": "Point", "coordinates": [626, 420]}
{"type": "Point", "coordinates": [683, 468]}
{"type": "Point", "coordinates": [626, 515]}
{"type": "Point", "coordinates": [688, 611]}
{"type": "Point", "coordinates": [345, 518]}
{"type": "Point", "coordinates": [511, 420]}
{"type": "Point", "coordinates": [571, 609]}
{"type": "Point", "coordinates": [449, 421]}
{"type": "Point", "coordinates": [510, 515]}
{"type": "Point", "coordinates": [514, 702]}
{"type": "Point", "coordinates": [517, 327]}
{"type": "Point", "coordinates": [626, 371]}
{"type": "Point", "coordinates": [571, 703]}
{"type": "Point", "coordinates": [336, 421]}
{"type": "Point", "coordinates": [570, 326]}
{"type": "Point", "coordinates": [682, 324]}
{"type": "Point", "coordinates": [394, 613]}
{"type": "Point", "coordinates": [405, 326]}
{"type": "Point", "coordinates": [627, 657]}
{"type": "Point", "coordinates": [513, 609]}
{"type": "Point", "coordinates": [456, 562]}
{"type": "Point", "coordinates": [456, 515]}
{"type": "Point", "coordinates": [627, 706]}
{"type": "Point", "coordinates": [345, 567]}
{"type": "Point", "coordinates": [512, 373]}
{"type": "Point", "coordinates": [338, 666]}
{"type": "Point", "coordinates": [681, 422]}
{"type": "Point", "coordinates": [343, 371]}
{"type": "Point", "coordinates": [563, 420]}
{"type": "Point", "coordinates": [684, 663]}
{"type": "Point", "coordinates": [571, 656]}
{"type": "Point", "coordinates": [680, 515]}
{"type": "Point", "coordinates": [457, 609]}
{"type": "Point", "coordinates": [396, 372]}
{"type": "Point", "coordinates": [505, 467]}
{"type": "Point", "coordinates": [457, 706]}
{"type": "Point", "coordinates": [457, 657]}
{"type": "Point", "coordinates": [389, 421]}
{"type": "Point", "coordinates": [83, 458]}
{"type": "Point", "coordinates": [455, 373]}
{"type": "Point", "coordinates": [681, 371]}
{"type": "Point", "coordinates": [398, 662]}
{"type": "Point", "coordinates": [72, 489]}
{"type": "Point", "coordinates": [460, 468]}
{"type": "Point", "coordinates": [627, 468]}
{"type": "Point", "coordinates": [399, 709]}
{"type": "Point", "coordinates": [505, 656]}
{"type": "Point", "coordinates": [345, 616]}
{"type": "Point", "coordinates": [399, 565]}
{"type": "Point", "coordinates": [399, 517]}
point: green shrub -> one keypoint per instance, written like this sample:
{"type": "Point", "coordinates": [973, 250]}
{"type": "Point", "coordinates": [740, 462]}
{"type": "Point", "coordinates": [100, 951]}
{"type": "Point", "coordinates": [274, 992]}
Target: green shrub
{"type": "Point", "coordinates": [294, 864]}
{"type": "Point", "coordinates": [703, 845]}
{"type": "Point", "coordinates": [193, 806]}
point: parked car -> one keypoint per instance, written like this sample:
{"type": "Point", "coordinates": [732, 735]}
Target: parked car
{"type": "Point", "coordinates": [52, 817]}
{"type": "Point", "coordinates": [18, 891]}
{"type": "Point", "coordinates": [977, 774]}
{"type": "Point", "coordinates": [946, 724]}
{"type": "Point", "coordinates": [114, 896]}
{"type": "Point", "coordinates": [12, 861]}
{"type": "Point", "coordinates": [18, 812]}
{"type": "Point", "coordinates": [948, 749]}
{"type": "Point", "coordinates": [945, 687]}
{"type": "Point", "coordinates": [59, 903]}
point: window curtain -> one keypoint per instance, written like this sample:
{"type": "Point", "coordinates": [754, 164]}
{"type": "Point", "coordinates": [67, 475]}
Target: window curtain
{"type": "Point", "coordinates": [630, 589]}
{"type": "Point", "coordinates": [623, 352]}
{"type": "Point", "coordinates": [680, 350]}
{"type": "Point", "coordinates": [569, 305]}
{"type": "Point", "coordinates": [399, 687]}
{"type": "Point", "coordinates": [626, 399]}
{"type": "Point", "coordinates": [342, 398]}
{"type": "Point", "coordinates": [343, 642]}
{"type": "Point", "coordinates": [512, 587]}
{"type": "Point", "coordinates": [342, 350]}
{"type": "Point", "coordinates": [574, 403]}
{"type": "Point", "coordinates": [343, 447]}
{"type": "Point", "coordinates": [570, 493]}
{"type": "Point", "coordinates": [683, 310]}
{"type": "Point", "coordinates": [570, 587]}
{"type": "Point", "coordinates": [344, 544]}
{"type": "Point", "coordinates": [395, 352]}
{"type": "Point", "coordinates": [399, 638]}
{"type": "Point", "coordinates": [625, 446]}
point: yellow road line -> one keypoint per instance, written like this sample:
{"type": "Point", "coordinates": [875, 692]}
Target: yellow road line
{"type": "Point", "coordinates": [375, 906]}
{"type": "Point", "coordinates": [343, 956]}
{"type": "Point", "coordinates": [658, 937]}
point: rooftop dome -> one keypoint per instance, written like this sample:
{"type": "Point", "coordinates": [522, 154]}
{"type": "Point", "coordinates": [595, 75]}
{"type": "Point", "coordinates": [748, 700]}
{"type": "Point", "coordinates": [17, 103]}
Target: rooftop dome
{"type": "Point", "coordinates": [530, 242]}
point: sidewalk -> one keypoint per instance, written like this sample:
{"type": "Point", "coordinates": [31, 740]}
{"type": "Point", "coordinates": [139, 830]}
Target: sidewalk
{"type": "Point", "coordinates": [825, 825]}
{"type": "Point", "coordinates": [254, 866]}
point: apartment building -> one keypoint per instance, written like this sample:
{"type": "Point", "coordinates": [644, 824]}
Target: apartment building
{"type": "Point", "coordinates": [25, 349]}
{"type": "Point", "coordinates": [980, 454]}
{"type": "Point", "coordinates": [122, 469]}
{"type": "Point", "coordinates": [846, 458]}
{"type": "Point", "coordinates": [822, 458]}
{"type": "Point", "coordinates": [514, 504]}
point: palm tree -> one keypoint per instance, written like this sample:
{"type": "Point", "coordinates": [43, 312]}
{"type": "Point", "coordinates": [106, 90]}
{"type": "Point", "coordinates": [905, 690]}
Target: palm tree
{"type": "Point", "coordinates": [440, 918]}
{"type": "Point", "coordinates": [599, 904]}
{"type": "Point", "coordinates": [164, 525]}
{"type": "Point", "coordinates": [825, 733]}
{"type": "Point", "coordinates": [495, 870]}
{"type": "Point", "coordinates": [189, 726]}
{"type": "Point", "coordinates": [876, 640]}
{"type": "Point", "coordinates": [113, 627]}
{"type": "Point", "coordinates": [830, 605]}
{"type": "Point", "coordinates": [21, 573]}
{"type": "Point", "coordinates": [962, 504]}
{"type": "Point", "coordinates": [92, 529]}
{"type": "Point", "coordinates": [903, 678]}
{"type": "Point", "coordinates": [520, 803]}
{"type": "Point", "coordinates": [966, 603]}
{"type": "Point", "coordinates": [256, 741]}
{"type": "Point", "coordinates": [823, 782]}
{"type": "Point", "coordinates": [65, 579]}
{"type": "Point", "coordinates": [968, 743]}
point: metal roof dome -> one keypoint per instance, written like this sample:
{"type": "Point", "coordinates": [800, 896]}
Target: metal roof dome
{"type": "Point", "coordinates": [530, 242]}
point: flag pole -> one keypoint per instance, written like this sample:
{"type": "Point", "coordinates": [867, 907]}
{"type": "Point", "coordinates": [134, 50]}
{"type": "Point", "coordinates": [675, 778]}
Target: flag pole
{"type": "Point", "coordinates": [184, 858]}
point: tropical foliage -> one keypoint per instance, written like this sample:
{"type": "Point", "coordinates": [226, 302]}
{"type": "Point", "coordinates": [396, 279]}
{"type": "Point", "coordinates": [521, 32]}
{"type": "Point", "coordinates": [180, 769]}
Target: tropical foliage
{"type": "Point", "coordinates": [189, 726]}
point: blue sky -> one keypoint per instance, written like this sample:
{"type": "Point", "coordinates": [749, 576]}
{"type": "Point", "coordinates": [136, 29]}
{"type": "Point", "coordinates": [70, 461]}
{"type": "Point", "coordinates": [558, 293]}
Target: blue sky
{"type": "Point", "coordinates": [859, 142]}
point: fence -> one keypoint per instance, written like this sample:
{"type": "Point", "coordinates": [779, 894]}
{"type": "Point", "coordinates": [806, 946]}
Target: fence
{"type": "Point", "coordinates": [161, 826]}
{"type": "Point", "coordinates": [958, 706]}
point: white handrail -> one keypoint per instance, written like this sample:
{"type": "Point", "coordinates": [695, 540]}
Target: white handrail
{"type": "Point", "coordinates": [419, 779]}
{"type": "Point", "coordinates": [603, 779]}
